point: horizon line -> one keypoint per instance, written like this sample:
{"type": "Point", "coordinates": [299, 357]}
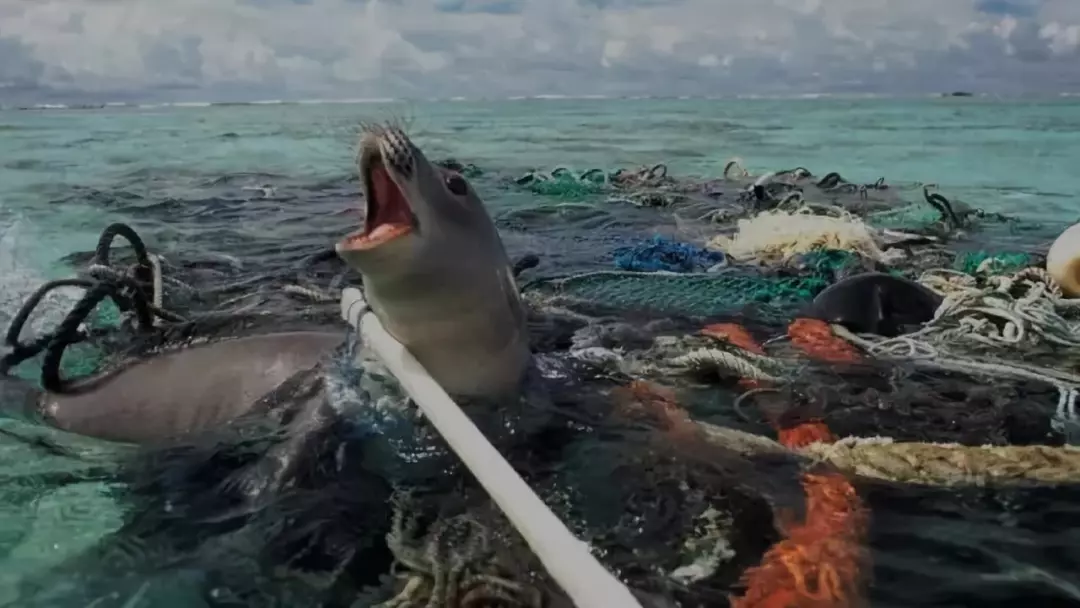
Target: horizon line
{"type": "Point", "coordinates": [541, 97]}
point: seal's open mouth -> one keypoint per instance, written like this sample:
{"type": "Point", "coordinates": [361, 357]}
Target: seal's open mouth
{"type": "Point", "coordinates": [389, 215]}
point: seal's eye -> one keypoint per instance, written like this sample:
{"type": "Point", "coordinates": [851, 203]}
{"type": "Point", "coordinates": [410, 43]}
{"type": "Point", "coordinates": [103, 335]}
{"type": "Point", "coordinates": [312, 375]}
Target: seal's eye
{"type": "Point", "coordinates": [457, 184]}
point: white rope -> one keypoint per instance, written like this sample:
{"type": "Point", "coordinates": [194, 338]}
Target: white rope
{"type": "Point", "coordinates": [1007, 311]}
{"type": "Point", "coordinates": [565, 557]}
{"type": "Point", "coordinates": [159, 289]}
{"type": "Point", "coordinates": [921, 354]}
{"type": "Point", "coordinates": [103, 272]}
{"type": "Point", "coordinates": [1004, 310]}
{"type": "Point", "coordinates": [740, 365]}
{"type": "Point", "coordinates": [310, 293]}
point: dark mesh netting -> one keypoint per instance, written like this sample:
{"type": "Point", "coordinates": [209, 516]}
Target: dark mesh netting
{"type": "Point", "coordinates": [690, 415]}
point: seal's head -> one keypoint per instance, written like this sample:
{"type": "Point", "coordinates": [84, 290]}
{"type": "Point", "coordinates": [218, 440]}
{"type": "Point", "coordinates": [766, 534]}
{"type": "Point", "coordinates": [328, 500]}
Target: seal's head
{"type": "Point", "coordinates": [388, 171]}
{"type": "Point", "coordinates": [409, 201]}
{"type": "Point", "coordinates": [435, 270]}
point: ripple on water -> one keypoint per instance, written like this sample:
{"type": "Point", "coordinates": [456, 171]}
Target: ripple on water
{"type": "Point", "coordinates": [183, 178]}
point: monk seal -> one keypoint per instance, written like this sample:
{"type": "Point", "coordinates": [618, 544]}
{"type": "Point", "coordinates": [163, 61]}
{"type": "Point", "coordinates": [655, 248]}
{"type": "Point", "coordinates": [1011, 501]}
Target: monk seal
{"type": "Point", "coordinates": [175, 392]}
{"type": "Point", "coordinates": [875, 303]}
{"type": "Point", "coordinates": [438, 277]}
{"type": "Point", "coordinates": [435, 271]}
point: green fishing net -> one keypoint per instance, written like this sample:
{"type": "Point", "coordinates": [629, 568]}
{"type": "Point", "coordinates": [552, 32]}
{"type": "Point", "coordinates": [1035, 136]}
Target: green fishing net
{"type": "Point", "coordinates": [690, 294]}
{"type": "Point", "coordinates": [565, 189]}
{"type": "Point", "coordinates": [701, 293]}
{"type": "Point", "coordinates": [996, 263]}
{"type": "Point", "coordinates": [563, 184]}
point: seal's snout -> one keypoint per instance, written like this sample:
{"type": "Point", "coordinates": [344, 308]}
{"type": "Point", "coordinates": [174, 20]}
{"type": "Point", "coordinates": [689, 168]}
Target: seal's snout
{"type": "Point", "coordinates": [387, 168]}
{"type": "Point", "coordinates": [397, 151]}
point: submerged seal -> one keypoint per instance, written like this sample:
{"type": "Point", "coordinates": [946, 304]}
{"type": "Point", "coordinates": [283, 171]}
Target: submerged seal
{"type": "Point", "coordinates": [177, 392]}
{"type": "Point", "coordinates": [435, 271]}
{"type": "Point", "coordinates": [875, 303]}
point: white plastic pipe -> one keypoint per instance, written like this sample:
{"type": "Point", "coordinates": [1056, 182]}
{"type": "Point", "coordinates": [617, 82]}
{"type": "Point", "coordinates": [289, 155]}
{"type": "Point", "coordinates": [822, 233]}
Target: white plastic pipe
{"type": "Point", "coordinates": [565, 557]}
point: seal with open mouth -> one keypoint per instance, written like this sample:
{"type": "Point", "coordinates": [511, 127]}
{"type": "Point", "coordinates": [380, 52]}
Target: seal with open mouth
{"type": "Point", "coordinates": [435, 270]}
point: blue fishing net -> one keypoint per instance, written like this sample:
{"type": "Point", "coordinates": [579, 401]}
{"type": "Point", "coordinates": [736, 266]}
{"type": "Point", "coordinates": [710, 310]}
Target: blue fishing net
{"type": "Point", "coordinates": [664, 254]}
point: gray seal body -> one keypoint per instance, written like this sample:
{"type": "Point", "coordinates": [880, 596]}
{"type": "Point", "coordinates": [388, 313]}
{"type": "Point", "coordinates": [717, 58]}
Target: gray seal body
{"type": "Point", "coordinates": [182, 391]}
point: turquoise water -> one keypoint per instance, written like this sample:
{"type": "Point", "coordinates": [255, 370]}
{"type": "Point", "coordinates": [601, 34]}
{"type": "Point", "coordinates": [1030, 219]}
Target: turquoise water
{"type": "Point", "coordinates": [67, 174]}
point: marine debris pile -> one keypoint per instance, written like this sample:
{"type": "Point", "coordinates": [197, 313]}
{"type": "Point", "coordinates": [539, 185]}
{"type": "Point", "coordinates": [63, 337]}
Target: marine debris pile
{"type": "Point", "coordinates": [878, 339]}
{"type": "Point", "coordinates": [876, 298]}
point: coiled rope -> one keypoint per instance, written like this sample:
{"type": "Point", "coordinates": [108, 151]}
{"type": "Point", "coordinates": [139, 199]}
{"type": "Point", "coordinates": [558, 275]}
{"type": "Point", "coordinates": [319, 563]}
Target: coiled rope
{"type": "Point", "coordinates": [126, 288]}
{"type": "Point", "coordinates": [1007, 311]}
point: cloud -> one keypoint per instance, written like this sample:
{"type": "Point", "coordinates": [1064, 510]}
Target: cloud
{"type": "Point", "coordinates": [495, 48]}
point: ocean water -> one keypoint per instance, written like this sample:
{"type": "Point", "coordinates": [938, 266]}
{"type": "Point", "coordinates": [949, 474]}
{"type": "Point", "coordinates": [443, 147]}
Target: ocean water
{"type": "Point", "coordinates": [261, 182]}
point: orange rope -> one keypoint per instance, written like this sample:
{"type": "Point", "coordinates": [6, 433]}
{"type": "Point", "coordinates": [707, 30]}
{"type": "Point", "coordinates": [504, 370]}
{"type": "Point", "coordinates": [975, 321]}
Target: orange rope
{"type": "Point", "coordinates": [659, 402]}
{"type": "Point", "coordinates": [802, 435]}
{"type": "Point", "coordinates": [820, 562]}
{"type": "Point", "coordinates": [734, 333]}
{"type": "Point", "coordinates": [816, 339]}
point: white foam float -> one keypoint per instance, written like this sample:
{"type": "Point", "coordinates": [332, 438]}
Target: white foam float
{"type": "Point", "coordinates": [1063, 261]}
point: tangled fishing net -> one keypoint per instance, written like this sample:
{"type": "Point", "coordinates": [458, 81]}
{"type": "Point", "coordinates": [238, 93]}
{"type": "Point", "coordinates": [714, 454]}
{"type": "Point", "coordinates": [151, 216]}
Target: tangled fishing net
{"type": "Point", "coordinates": [682, 279]}
{"type": "Point", "coordinates": [816, 385]}
{"type": "Point", "coordinates": [1002, 320]}
{"type": "Point", "coordinates": [661, 254]}
{"type": "Point", "coordinates": [688, 501]}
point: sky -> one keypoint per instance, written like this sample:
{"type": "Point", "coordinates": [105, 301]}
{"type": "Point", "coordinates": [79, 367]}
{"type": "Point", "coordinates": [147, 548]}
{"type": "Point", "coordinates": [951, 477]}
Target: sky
{"type": "Point", "coordinates": [234, 50]}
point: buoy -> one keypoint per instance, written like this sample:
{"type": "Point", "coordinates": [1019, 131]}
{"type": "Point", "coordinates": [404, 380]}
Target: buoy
{"type": "Point", "coordinates": [1063, 261]}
